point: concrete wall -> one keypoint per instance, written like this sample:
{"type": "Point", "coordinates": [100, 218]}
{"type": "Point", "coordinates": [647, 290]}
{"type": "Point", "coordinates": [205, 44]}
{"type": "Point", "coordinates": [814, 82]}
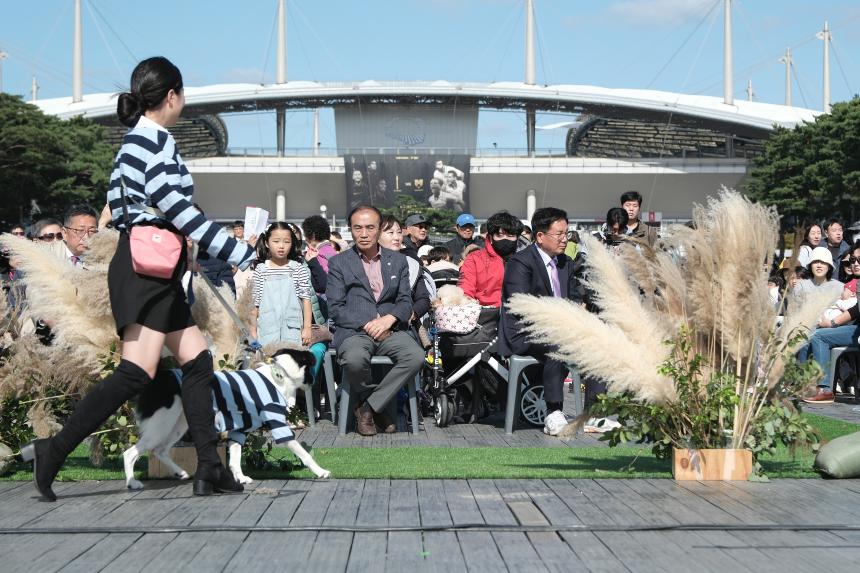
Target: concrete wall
{"type": "Point", "coordinates": [584, 188]}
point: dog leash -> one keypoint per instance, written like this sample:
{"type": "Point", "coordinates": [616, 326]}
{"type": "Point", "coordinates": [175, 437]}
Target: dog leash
{"type": "Point", "coordinates": [251, 345]}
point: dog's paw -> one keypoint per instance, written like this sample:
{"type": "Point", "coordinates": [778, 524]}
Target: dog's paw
{"type": "Point", "coordinates": [323, 474]}
{"type": "Point", "coordinates": [134, 484]}
{"type": "Point", "coordinates": [241, 478]}
{"type": "Point", "coordinates": [182, 475]}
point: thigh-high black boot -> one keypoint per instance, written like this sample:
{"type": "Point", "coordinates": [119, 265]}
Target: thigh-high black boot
{"type": "Point", "coordinates": [97, 406]}
{"type": "Point", "coordinates": [197, 380]}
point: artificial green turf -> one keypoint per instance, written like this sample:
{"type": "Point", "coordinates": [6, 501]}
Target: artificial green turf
{"type": "Point", "coordinates": [421, 462]}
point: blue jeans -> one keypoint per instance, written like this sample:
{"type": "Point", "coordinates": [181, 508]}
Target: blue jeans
{"type": "Point", "coordinates": [822, 340]}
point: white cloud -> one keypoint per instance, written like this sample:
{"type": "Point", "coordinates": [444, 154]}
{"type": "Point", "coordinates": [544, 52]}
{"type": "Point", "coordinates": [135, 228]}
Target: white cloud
{"type": "Point", "coordinates": [661, 13]}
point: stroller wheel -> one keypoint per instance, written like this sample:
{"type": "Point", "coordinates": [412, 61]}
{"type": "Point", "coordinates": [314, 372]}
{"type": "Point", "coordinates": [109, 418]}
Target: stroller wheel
{"type": "Point", "coordinates": [440, 412]}
{"type": "Point", "coordinates": [532, 405]}
{"type": "Point", "coordinates": [444, 410]}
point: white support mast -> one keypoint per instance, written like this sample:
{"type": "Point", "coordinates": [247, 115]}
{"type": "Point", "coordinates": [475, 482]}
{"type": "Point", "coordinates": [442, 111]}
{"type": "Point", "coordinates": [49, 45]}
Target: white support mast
{"type": "Point", "coordinates": [530, 75]}
{"type": "Point", "coordinates": [282, 42]}
{"type": "Point", "coordinates": [728, 87]}
{"type": "Point", "coordinates": [827, 37]}
{"type": "Point", "coordinates": [316, 131]}
{"type": "Point", "coordinates": [281, 75]}
{"type": "Point", "coordinates": [3, 56]}
{"type": "Point", "coordinates": [786, 59]}
{"type": "Point", "coordinates": [750, 92]}
{"type": "Point", "coordinates": [34, 90]}
{"type": "Point", "coordinates": [77, 57]}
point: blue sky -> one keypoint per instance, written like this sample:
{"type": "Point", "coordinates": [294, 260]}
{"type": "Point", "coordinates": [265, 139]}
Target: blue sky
{"type": "Point", "coordinates": [672, 45]}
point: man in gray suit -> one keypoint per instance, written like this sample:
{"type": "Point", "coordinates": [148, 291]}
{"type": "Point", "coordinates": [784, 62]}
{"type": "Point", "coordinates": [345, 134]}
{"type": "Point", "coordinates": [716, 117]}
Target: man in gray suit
{"type": "Point", "coordinates": [370, 303]}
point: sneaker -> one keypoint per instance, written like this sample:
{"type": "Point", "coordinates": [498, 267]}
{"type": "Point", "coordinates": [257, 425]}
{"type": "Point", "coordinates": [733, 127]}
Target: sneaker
{"type": "Point", "coordinates": [823, 396]}
{"type": "Point", "coordinates": [599, 425]}
{"type": "Point", "coordinates": [554, 423]}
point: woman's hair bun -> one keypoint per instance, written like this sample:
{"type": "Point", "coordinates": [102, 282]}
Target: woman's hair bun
{"type": "Point", "coordinates": [129, 108]}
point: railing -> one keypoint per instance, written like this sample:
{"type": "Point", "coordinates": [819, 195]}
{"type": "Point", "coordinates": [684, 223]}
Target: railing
{"type": "Point", "coordinates": [444, 151]}
{"type": "Point", "coordinates": [547, 152]}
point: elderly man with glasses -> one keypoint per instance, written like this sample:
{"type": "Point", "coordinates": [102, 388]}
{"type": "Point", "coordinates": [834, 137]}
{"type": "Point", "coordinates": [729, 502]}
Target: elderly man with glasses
{"type": "Point", "coordinates": [541, 269]}
{"type": "Point", "coordinates": [79, 224]}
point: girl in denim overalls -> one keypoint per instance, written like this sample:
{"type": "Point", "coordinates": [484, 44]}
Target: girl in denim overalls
{"type": "Point", "coordinates": [280, 289]}
{"type": "Point", "coordinates": [282, 292]}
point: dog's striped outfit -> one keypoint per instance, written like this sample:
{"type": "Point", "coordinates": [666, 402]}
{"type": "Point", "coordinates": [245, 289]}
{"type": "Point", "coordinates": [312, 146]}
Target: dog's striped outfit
{"type": "Point", "coordinates": [245, 401]}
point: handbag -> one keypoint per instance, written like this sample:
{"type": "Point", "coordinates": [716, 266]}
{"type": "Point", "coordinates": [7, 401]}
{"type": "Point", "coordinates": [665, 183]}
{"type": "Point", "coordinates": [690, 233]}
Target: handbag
{"type": "Point", "coordinates": [155, 251]}
{"type": "Point", "coordinates": [320, 333]}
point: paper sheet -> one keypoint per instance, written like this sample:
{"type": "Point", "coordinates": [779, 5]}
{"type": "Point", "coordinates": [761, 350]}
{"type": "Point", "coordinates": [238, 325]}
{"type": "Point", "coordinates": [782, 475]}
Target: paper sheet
{"type": "Point", "coordinates": [256, 220]}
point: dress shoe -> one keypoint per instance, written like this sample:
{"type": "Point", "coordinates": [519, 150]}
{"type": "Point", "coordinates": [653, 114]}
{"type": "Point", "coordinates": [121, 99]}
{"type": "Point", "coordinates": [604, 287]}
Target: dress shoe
{"type": "Point", "coordinates": [364, 420]}
{"type": "Point", "coordinates": [45, 467]}
{"type": "Point", "coordinates": [215, 480]}
{"type": "Point", "coordinates": [823, 396]}
{"type": "Point", "coordinates": [384, 422]}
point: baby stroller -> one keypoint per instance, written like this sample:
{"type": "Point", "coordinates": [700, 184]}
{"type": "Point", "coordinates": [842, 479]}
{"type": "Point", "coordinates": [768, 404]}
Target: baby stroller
{"type": "Point", "coordinates": [464, 341]}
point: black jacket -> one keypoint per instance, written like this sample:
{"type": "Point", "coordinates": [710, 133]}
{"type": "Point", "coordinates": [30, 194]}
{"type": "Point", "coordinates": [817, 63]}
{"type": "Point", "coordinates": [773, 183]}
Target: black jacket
{"type": "Point", "coordinates": [457, 244]}
{"type": "Point", "coordinates": [526, 273]}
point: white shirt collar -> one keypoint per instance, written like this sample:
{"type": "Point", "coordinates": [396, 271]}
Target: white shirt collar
{"type": "Point", "coordinates": [544, 257]}
{"type": "Point", "coordinates": [146, 122]}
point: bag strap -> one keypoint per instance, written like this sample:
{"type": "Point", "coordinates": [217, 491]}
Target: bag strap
{"type": "Point", "coordinates": [155, 212]}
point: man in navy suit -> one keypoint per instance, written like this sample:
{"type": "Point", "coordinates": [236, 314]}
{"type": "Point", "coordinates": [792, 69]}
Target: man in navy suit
{"type": "Point", "coordinates": [541, 269]}
{"type": "Point", "coordinates": [370, 303]}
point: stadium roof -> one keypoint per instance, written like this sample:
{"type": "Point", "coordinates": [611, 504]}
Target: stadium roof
{"type": "Point", "coordinates": [742, 118]}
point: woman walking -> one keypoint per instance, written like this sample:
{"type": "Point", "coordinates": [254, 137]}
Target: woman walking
{"type": "Point", "coordinates": [150, 187]}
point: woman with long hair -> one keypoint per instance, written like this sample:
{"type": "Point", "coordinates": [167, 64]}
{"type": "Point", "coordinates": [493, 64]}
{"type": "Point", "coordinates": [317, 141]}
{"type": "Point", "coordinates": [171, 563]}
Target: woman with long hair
{"type": "Point", "coordinates": [811, 240]}
{"type": "Point", "coordinates": [150, 186]}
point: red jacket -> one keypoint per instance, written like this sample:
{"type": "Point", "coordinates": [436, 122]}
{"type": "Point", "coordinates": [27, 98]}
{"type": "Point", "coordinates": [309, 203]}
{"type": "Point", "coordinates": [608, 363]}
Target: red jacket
{"type": "Point", "coordinates": [481, 276]}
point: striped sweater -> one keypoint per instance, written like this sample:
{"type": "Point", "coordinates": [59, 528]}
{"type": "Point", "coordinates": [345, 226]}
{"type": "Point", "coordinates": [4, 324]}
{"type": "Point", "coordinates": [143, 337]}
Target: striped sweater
{"type": "Point", "coordinates": [155, 175]}
{"type": "Point", "coordinates": [244, 401]}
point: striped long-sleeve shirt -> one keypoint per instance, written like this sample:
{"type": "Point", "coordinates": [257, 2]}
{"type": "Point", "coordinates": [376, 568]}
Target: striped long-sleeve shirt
{"type": "Point", "coordinates": [244, 401]}
{"type": "Point", "coordinates": [155, 176]}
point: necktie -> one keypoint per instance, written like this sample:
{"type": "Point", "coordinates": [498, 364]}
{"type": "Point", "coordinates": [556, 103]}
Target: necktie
{"type": "Point", "coordinates": [75, 260]}
{"type": "Point", "coordinates": [553, 278]}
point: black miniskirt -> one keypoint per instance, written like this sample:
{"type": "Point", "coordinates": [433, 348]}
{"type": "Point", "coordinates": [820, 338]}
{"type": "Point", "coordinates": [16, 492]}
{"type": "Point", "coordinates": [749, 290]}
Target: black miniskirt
{"type": "Point", "coordinates": [159, 304]}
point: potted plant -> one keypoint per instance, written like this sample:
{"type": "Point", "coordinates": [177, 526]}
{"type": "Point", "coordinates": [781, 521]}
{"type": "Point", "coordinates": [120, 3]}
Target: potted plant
{"type": "Point", "coordinates": [688, 341]}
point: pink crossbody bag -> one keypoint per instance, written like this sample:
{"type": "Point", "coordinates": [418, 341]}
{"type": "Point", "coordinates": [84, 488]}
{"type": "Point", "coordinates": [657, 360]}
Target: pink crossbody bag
{"type": "Point", "coordinates": [155, 252]}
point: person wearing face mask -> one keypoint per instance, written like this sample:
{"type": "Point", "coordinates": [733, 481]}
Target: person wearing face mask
{"type": "Point", "coordinates": [483, 271]}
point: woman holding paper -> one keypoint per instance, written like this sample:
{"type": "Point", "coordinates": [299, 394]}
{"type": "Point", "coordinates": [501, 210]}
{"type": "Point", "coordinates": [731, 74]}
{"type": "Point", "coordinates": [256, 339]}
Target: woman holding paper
{"type": "Point", "coordinates": [150, 187]}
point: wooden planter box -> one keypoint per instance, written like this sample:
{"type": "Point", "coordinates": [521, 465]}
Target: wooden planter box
{"type": "Point", "coordinates": [704, 465]}
{"type": "Point", "coordinates": [184, 456]}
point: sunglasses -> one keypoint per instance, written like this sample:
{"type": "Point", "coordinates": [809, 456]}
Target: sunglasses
{"type": "Point", "coordinates": [19, 233]}
{"type": "Point", "coordinates": [51, 237]}
{"type": "Point", "coordinates": [853, 260]}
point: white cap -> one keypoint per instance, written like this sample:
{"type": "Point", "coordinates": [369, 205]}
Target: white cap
{"type": "Point", "coordinates": [821, 254]}
{"type": "Point", "coordinates": [424, 250]}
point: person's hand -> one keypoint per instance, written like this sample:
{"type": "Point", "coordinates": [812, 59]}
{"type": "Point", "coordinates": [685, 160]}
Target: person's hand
{"type": "Point", "coordinates": [105, 217]}
{"type": "Point", "coordinates": [252, 240]}
{"type": "Point", "coordinates": [306, 335]}
{"type": "Point", "coordinates": [376, 327]}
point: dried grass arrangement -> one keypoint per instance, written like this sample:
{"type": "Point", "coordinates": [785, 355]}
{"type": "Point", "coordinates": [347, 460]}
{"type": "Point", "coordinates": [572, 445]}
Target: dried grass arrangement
{"type": "Point", "coordinates": [686, 337]}
{"type": "Point", "coordinates": [75, 302]}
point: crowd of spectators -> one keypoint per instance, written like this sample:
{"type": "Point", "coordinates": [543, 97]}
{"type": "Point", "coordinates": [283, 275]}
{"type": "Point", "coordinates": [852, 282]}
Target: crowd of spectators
{"type": "Point", "coordinates": [374, 296]}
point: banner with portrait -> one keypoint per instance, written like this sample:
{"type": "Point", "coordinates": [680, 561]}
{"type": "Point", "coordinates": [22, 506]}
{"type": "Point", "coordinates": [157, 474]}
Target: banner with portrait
{"type": "Point", "coordinates": [439, 181]}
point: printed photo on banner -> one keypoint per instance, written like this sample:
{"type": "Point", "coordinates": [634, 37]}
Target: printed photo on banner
{"type": "Point", "coordinates": [440, 181]}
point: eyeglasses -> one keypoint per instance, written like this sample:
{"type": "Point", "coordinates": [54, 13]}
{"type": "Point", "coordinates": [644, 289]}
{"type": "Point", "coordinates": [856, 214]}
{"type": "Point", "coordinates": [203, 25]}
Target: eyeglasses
{"type": "Point", "coordinates": [79, 233]}
{"type": "Point", "coordinates": [50, 237]}
{"type": "Point", "coordinates": [19, 233]}
{"type": "Point", "coordinates": [558, 236]}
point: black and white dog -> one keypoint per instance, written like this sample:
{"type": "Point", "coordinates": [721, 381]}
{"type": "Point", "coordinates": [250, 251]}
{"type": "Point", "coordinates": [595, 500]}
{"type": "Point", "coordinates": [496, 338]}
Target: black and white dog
{"type": "Point", "coordinates": [243, 400]}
